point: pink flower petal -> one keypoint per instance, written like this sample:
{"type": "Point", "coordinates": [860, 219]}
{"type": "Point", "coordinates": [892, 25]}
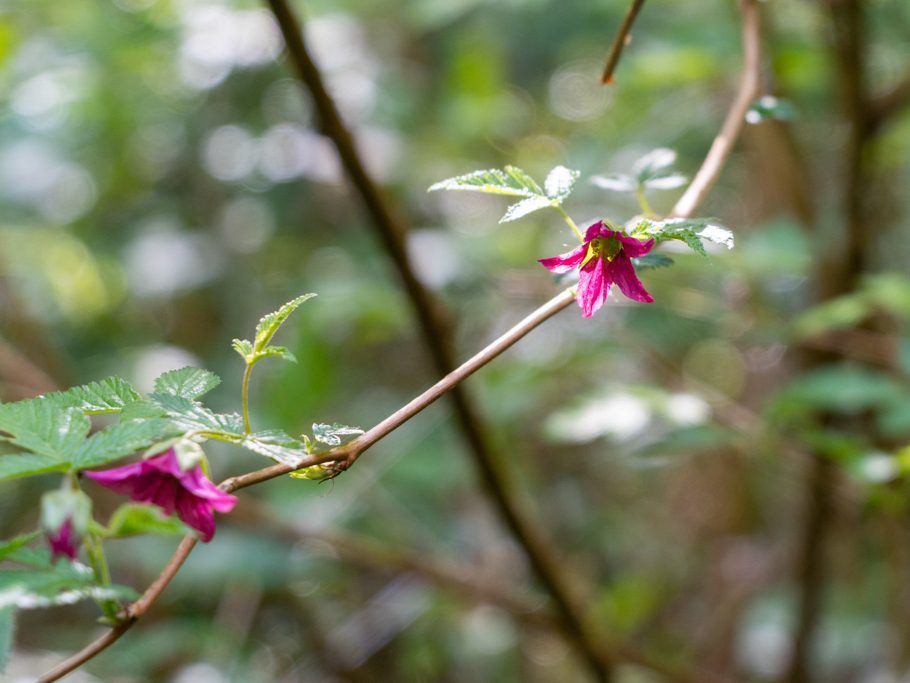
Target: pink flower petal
{"type": "Point", "coordinates": [198, 515]}
{"type": "Point", "coordinates": [593, 287]}
{"type": "Point", "coordinates": [63, 541]}
{"type": "Point", "coordinates": [623, 274]}
{"type": "Point", "coordinates": [565, 262]}
{"type": "Point", "coordinates": [597, 229]}
{"type": "Point", "coordinates": [160, 481]}
{"type": "Point", "coordinates": [634, 247]}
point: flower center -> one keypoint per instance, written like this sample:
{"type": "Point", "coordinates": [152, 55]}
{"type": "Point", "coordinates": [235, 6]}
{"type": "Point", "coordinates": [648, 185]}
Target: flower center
{"type": "Point", "coordinates": [602, 247]}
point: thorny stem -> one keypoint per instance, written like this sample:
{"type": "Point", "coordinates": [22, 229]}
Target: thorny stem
{"type": "Point", "coordinates": [568, 219]}
{"type": "Point", "coordinates": [245, 397]}
{"type": "Point", "coordinates": [710, 169]}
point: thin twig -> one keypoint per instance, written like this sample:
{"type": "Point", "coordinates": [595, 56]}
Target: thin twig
{"type": "Point", "coordinates": [450, 383]}
{"type": "Point", "coordinates": [346, 454]}
{"type": "Point", "coordinates": [622, 39]}
{"type": "Point", "coordinates": [723, 144]}
{"type": "Point", "coordinates": [129, 616]}
{"type": "Point", "coordinates": [544, 561]}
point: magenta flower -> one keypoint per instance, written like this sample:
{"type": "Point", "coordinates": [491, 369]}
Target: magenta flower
{"type": "Point", "coordinates": [63, 541]}
{"type": "Point", "coordinates": [603, 260]}
{"type": "Point", "coordinates": [161, 481]}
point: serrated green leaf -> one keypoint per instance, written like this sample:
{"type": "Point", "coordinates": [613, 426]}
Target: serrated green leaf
{"type": "Point", "coordinates": [63, 584]}
{"type": "Point", "coordinates": [276, 445]}
{"type": "Point", "coordinates": [690, 237]}
{"type": "Point", "coordinates": [684, 230]}
{"type": "Point", "coordinates": [244, 347]}
{"type": "Point", "coordinates": [524, 180]}
{"type": "Point", "coordinates": [11, 545]}
{"type": "Point", "coordinates": [652, 260]}
{"type": "Point", "coordinates": [524, 207]}
{"type": "Point", "coordinates": [31, 556]}
{"type": "Point", "coordinates": [7, 630]}
{"type": "Point", "coordinates": [187, 382]}
{"type": "Point", "coordinates": [277, 351]}
{"type": "Point", "coordinates": [109, 395]}
{"type": "Point", "coordinates": [133, 519]}
{"type": "Point", "coordinates": [269, 324]}
{"type": "Point", "coordinates": [43, 427]}
{"type": "Point", "coordinates": [512, 182]}
{"type": "Point", "coordinates": [615, 182]}
{"type": "Point", "coordinates": [334, 434]}
{"type": "Point", "coordinates": [190, 415]}
{"type": "Point", "coordinates": [122, 439]}
{"type": "Point", "coordinates": [56, 435]}
{"type": "Point", "coordinates": [16, 465]}
{"type": "Point", "coordinates": [141, 410]}
{"type": "Point", "coordinates": [559, 183]}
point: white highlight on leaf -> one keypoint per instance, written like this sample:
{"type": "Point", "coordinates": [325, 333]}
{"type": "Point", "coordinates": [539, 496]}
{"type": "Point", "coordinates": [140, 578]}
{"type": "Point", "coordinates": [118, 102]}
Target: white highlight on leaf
{"type": "Point", "coordinates": [559, 182]}
{"type": "Point", "coordinates": [524, 207]}
{"type": "Point", "coordinates": [333, 434]}
{"type": "Point", "coordinates": [616, 182]}
{"type": "Point", "coordinates": [717, 235]}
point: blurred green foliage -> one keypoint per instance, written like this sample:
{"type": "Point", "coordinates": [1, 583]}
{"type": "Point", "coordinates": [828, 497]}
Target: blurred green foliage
{"type": "Point", "coordinates": [163, 184]}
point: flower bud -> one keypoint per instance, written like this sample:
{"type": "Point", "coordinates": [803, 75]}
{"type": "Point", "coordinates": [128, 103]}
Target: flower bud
{"type": "Point", "coordinates": [65, 516]}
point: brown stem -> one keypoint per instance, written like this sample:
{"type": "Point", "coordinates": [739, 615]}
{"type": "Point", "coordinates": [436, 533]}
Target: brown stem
{"type": "Point", "coordinates": [449, 384]}
{"type": "Point", "coordinates": [622, 39]}
{"type": "Point", "coordinates": [543, 560]}
{"type": "Point", "coordinates": [837, 274]}
{"type": "Point", "coordinates": [129, 616]}
{"type": "Point", "coordinates": [812, 571]}
{"type": "Point", "coordinates": [344, 454]}
{"type": "Point", "coordinates": [723, 143]}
